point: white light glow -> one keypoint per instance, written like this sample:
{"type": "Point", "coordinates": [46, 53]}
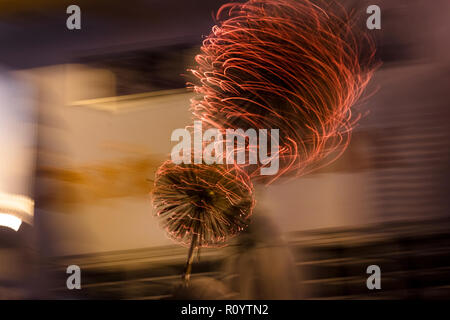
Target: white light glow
{"type": "Point", "coordinates": [10, 221]}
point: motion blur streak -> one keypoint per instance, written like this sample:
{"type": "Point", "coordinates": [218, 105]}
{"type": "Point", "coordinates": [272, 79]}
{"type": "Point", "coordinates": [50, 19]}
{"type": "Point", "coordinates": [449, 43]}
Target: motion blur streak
{"type": "Point", "coordinates": [296, 66]}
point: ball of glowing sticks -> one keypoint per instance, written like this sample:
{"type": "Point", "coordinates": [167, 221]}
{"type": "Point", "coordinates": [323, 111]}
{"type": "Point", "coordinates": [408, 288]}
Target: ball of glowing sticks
{"type": "Point", "coordinates": [291, 65]}
{"type": "Point", "coordinates": [202, 205]}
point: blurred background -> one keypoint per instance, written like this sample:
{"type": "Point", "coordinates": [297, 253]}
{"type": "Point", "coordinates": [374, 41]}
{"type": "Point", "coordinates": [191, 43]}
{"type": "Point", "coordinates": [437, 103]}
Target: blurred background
{"type": "Point", "coordinates": [86, 117]}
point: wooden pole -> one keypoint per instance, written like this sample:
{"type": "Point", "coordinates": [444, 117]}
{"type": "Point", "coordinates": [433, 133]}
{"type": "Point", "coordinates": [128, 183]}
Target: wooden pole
{"type": "Point", "coordinates": [190, 259]}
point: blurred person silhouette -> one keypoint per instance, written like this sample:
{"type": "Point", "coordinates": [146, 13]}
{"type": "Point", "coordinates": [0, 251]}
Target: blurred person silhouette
{"type": "Point", "coordinates": [263, 266]}
{"type": "Point", "coordinates": [202, 288]}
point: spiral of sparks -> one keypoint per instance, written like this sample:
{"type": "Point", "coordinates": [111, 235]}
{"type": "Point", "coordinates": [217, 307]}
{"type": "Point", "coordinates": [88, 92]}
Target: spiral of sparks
{"type": "Point", "coordinates": [293, 65]}
{"type": "Point", "coordinates": [212, 202]}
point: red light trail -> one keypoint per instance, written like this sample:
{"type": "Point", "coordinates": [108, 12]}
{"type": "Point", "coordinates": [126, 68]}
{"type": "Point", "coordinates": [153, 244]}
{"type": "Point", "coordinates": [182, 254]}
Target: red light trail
{"type": "Point", "coordinates": [289, 65]}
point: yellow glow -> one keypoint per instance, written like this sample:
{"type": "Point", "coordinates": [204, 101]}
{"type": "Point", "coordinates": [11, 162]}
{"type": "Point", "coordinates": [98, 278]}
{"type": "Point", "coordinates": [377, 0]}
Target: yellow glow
{"type": "Point", "coordinates": [16, 203]}
{"type": "Point", "coordinates": [10, 221]}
